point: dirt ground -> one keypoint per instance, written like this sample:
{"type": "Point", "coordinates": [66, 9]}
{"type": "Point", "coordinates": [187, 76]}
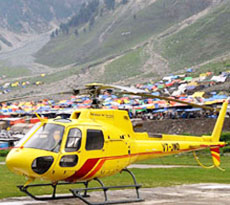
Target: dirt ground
{"type": "Point", "coordinates": [202, 194]}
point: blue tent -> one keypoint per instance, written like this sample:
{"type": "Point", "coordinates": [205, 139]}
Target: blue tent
{"type": "Point", "coordinates": [219, 96]}
{"type": "Point", "coordinates": [192, 109]}
{"type": "Point", "coordinates": [189, 70]}
{"type": "Point", "coordinates": [190, 87]}
{"type": "Point", "coordinates": [156, 93]}
{"type": "Point", "coordinates": [216, 97]}
{"type": "Point", "coordinates": [160, 110]}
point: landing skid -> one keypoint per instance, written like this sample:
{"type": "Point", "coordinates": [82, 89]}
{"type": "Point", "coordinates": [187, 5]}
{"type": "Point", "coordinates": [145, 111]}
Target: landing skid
{"type": "Point", "coordinates": [25, 190]}
{"type": "Point", "coordinates": [82, 193]}
{"type": "Point", "coordinates": [76, 192]}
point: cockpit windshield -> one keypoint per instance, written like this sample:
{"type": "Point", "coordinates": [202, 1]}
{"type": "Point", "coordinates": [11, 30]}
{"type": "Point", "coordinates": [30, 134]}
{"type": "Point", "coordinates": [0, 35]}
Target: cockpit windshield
{"type": "Point", "coordinates": [47, 137]}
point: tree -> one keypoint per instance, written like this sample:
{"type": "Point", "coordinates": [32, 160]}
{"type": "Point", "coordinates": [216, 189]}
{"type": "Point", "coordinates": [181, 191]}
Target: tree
{"type": "Point", "coordinates": [110, 4]}
{"type": "Point", "coordinates": [56, 32]}
{"type": "Point", "coordinates": [85, 15]}
{"type": "Point", "coordinates": [91, 22]}
{"type": "Point", "coordinates": [64, 28]}
{"type": "Point", "coordinates": [124, 1]}
{"type": "Point", "coordinates": [52, 35]}
{"type": "Point", "coordinates": [101, 12]}
{"type": "Point", "coordinates": [76, 32]}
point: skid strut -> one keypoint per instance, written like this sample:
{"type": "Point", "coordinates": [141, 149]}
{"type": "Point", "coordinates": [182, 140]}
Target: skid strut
{"type": "Point", "coordinates": [76, 192]}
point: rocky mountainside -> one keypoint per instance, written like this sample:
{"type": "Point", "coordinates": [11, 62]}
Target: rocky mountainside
{"type": "Point", "coordinates": [119, 41]}
{"type": "Point", "coordinates": [19, 17]}
{"type": "Point", "coordinates": [100, 30]}
{"type": "Point", "coordinates": [131, 40]}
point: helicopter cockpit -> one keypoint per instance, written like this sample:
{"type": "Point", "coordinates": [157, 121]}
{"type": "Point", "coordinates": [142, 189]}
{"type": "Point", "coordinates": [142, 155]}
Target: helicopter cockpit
{"type": "Point", "coordinates": [48, 137]}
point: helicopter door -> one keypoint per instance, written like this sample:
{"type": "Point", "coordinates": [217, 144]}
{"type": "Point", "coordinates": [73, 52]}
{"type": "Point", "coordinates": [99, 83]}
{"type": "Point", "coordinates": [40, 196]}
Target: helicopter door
{"type": "Point", "coordinates": [73, 143]}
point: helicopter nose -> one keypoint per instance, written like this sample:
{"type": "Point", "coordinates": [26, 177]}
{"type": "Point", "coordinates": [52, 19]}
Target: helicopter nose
{"type": "Point", "coordinates": [16, 161]}
{"type": "Point", "coordinates": [29, 162]}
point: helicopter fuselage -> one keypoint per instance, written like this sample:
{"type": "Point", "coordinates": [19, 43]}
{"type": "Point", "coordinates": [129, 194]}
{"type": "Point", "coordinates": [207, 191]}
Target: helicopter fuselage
{"type": "Point", "coordinates": [92, 143]}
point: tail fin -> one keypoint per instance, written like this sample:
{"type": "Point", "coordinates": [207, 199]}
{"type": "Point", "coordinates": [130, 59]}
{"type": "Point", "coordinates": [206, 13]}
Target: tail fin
{"type": "Point", "coordinates": [215, 152]}
{"type": "Point", "coordinates": [219, 123]}
{"type": "Point", "coordinates": [215, 137]}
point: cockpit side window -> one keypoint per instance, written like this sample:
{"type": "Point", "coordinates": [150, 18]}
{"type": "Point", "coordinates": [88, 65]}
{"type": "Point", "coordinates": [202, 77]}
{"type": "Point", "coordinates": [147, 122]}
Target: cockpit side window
{"type": "Point", "coordinates": [94, 140]}
{"type": "Point", "coordinates": [28, 134]}
{"type": "Point", "coordinates": [73, 142]}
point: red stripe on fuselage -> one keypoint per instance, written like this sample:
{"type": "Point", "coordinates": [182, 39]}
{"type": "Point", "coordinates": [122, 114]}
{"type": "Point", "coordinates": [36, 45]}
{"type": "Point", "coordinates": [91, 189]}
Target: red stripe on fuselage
{"type": "Point", "coordinates": [85, 169]}
{"type": "Point", "coordinates": [90, 163]}
{"type": "Point", "coordinates": [96, 169]}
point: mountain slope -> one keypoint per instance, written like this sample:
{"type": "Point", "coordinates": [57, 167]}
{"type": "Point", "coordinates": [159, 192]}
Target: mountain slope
{"type": "Point", "coordinates": [115, 31]}
{"type": "Point", "coordinates": [18, 18]}
{"type": "Point", "coordinates": [206, 39]}
{"type": "Point", "coordinates": [34, 15]}
{"type": "Point", "coordinates": [135, 42]}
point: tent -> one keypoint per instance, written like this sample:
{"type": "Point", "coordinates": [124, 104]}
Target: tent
{"type": "Point", "coordinates": [188, 79]}
{"type": "Point", "coordinates": [190, 87]}
{"type": "Point", "coordinates": [198, 94]}
{"type": "Point", "coordinates": [192, 109]}
{"type": "Point", "coordinates": [161, 86]}
{"type": "Point", "coordinates": [219, 78]}
{"type": "Point", "coordinates": [160, 110]}
{"type": "Point", "coordinates": [193, 83]}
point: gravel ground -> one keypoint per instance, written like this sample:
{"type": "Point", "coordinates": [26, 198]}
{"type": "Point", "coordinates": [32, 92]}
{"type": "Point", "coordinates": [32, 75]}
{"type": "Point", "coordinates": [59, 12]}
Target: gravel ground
{"type": "Point", "coordinates": [202, 194]}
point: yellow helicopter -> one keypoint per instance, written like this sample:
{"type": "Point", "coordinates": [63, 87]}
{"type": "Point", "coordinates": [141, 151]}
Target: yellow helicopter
{"type": "Point", "coordinates": [94, 143]}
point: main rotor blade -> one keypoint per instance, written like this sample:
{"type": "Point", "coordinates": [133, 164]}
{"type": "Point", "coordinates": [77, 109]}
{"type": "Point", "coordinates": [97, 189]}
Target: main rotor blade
{"type": "Point", "coordinates": [94, 89]}
{"type": "Point", "coordinates": [17, 98]}
{"type": "Point", "coordinates": [172, 99]}
{"type": "Point", "coordinates": [73, 92]}
{"type": "Point", "coordinates": [107, 86]}
{"type": "Point", "coordinates": [142, 93]}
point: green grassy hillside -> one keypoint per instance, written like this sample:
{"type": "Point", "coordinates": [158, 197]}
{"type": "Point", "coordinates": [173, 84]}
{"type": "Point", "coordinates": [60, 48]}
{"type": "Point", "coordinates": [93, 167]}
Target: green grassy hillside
{"type": "Point", "coordinates": [216, 67]}
{"type": "Point", "coordinates": [116, 31]}
{"type": "Point", "coordinates": [10, 72]}
{"type": "Point", "coordinates": [204, 40]}
{"type": "Point", "coordinates": [126, 66]}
